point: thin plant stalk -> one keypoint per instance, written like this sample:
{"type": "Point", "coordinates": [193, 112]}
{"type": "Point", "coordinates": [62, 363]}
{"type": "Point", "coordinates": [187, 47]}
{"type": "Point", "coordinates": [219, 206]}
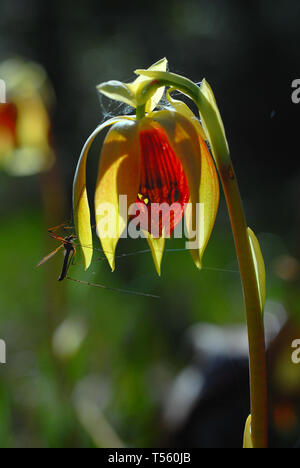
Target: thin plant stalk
{"type": "Point", "coordinates": [256, 337]}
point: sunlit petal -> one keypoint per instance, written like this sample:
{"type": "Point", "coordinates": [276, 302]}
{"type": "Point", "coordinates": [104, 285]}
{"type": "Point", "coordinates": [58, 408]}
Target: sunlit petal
{"type": "Point", "coordinates": [119, 174]}
{"type": "Point", "coordinates": [209, 196]}
{"type": "Point", "coordinates": [81, 208]}
{"type": "Point", "coordinates": [184, 141]}
{"type": "Point", "coordinates": [164, 190]}
{"type": "Point", "coordinates": [184, 110]}
{"type": "Point", "coordinates": [203, 183]}
{"type": "Point", "coordinates": [157, 247]}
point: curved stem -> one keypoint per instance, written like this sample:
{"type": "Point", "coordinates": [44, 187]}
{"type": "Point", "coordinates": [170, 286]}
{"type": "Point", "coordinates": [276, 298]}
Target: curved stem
{"type": "Point", "coordinates": [256, 337]}
{"type": "Point", "coordinates": [215, 131]}
{"type": "Point", "coordinates": [258, 378]}
{"type": "Point", "coordinates": [254, 314]}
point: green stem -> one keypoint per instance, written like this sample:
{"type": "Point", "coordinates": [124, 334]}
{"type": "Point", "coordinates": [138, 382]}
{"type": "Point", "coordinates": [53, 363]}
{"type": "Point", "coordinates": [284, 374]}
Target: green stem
{"type": "Point", "coordinates": [256, 336]}
{"type": "Point", "coordinates": [215, 131]}
{"type": "Point", "coordinates": [258, 379]}
{"type": "Point", "coordinates": [140, 111]}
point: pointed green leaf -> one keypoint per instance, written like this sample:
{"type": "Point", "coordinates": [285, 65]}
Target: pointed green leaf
{"type": "Point", "coordinates": [128, 92]}
{"type": "Point", "coordinates": [259, 266]}
{"type": "Point", "coordinates": [247, 434]}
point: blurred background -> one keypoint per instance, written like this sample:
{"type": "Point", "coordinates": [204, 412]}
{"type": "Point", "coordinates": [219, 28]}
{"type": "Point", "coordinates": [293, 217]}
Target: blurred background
{"type": "Point", "coordinates": [94, 368]}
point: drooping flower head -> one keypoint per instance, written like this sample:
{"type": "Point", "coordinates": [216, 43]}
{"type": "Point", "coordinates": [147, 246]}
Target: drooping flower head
{"type": "Point", "coordinates": [160, 161]}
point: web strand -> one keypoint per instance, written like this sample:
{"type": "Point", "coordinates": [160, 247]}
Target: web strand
{"type": "Point", "coordinates": [122, 291]}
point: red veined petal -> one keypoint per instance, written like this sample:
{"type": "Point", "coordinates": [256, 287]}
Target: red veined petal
{"type": "Point", "coordinates": [163, 190]}
{"type": "Point", "coordinates": [201, 174]}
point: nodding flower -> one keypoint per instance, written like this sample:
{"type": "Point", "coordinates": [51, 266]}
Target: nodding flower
{"type": "Point", "coordinates": [160, 160]}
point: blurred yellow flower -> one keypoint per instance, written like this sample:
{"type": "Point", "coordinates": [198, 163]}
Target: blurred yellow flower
{"type": "Point", "coordinates": [24, 119]}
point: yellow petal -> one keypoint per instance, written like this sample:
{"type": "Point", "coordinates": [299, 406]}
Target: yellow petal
{"type": "Point", "coordinates": [209, 185]}
{"type": "Point", "coordinates": [81, 208]}
{"type": "Point", "coordinates": [157, 247]}
{"type": "Point", "coordinates": [209, 195]}
{"type": "Point", "coordinates": [259, 266]}
{"type": "Point", "coordinates": [183, 109]}
{"type": "Point", "coordinates": [201, 175]}
{"type": "Point", "coordinates": [216, 136]}
{"type": "Point", "coordinates": [248, 444]}
{"type": "Point", "coordinates": [184, 140]}
{"type": "Point", "coordinates": [119, 174]}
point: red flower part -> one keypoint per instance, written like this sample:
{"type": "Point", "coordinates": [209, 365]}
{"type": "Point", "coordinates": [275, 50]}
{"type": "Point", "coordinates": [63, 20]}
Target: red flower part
{"type": "Point", "coordinates": [8, 118]}
{"type": "Point", "coordinates": [162, 181]}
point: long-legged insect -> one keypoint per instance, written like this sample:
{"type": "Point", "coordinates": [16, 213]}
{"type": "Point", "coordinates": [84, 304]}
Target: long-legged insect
{"type": "Point", "coordinates": [68, 244]}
